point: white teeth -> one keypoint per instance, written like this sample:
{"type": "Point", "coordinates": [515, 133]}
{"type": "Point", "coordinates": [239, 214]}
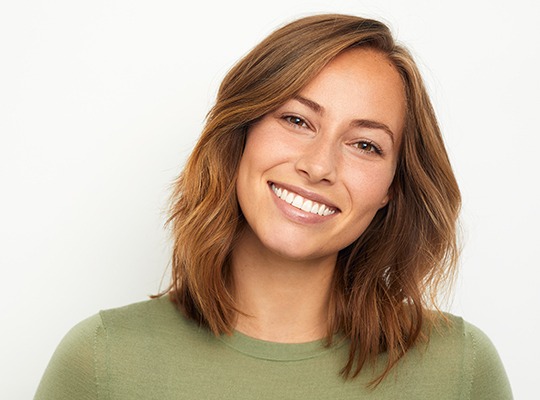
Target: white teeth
{"type": "Point", "coordinates": [307, 205]}
{"type": "Point", "coordinates": [290, 198]}
{"type": "Point", "coordinates": [299, 202]}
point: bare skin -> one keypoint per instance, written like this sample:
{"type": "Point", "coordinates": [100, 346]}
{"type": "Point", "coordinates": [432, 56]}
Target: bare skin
{"type": "Point", "coordinates": [335, 148]}
{"type": "Point", "coordinates": [285, 301]}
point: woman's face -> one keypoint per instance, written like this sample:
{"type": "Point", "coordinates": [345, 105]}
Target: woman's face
{"type": "Point", "coordinates": [315, 171]}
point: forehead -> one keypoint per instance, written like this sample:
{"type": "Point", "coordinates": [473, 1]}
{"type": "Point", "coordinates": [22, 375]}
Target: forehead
{"type": "Point", "coordinates": [360, 83]}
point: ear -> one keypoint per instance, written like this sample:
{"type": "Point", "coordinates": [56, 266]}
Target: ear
{"type": "Point", "coordinates": [389, 194]}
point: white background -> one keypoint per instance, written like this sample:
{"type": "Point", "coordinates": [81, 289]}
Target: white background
{"type": "Point", "coordinates": [101, 101]}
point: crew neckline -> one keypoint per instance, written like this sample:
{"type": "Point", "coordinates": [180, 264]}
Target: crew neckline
{"type": "Point", "coordinates": [274, 351]}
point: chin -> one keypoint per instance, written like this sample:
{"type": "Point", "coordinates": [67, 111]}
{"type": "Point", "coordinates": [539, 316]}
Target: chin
{"type": "Point", "coordinates": [299, 252]}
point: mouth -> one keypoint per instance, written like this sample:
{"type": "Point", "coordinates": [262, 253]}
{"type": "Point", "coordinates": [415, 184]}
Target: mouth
{"type": "Point", "coordinates": [302, 203]}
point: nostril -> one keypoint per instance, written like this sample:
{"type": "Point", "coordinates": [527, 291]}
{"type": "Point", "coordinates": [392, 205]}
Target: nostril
{"type": "Point", "coordinates": [316, 170]}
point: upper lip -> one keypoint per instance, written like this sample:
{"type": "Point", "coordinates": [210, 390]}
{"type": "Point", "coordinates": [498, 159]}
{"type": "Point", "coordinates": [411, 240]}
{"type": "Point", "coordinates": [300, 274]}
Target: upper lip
{"type": "Point", "coordinates": [307, 194]}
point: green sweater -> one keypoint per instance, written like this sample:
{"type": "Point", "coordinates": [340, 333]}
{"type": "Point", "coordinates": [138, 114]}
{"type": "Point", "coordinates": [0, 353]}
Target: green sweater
{"type": "Point", "coordinates": [149, 350]}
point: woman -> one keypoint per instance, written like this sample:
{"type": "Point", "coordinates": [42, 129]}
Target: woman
{"type": "Point", "coordinates": [312, 225]}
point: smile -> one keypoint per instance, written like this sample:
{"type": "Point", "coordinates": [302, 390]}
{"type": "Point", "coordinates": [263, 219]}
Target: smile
{"type": "Point", "coordinates": [303, 204]}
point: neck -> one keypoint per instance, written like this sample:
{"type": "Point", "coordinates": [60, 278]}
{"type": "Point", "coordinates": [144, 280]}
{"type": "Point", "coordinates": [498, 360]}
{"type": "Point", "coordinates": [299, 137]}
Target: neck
{"type": "Point", "coordinates": [279, 299]}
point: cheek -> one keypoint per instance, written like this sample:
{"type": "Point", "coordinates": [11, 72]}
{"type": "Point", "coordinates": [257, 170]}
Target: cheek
{"type": "Point", "coordinates": [259, 156]}
{"type": "Point", "coordinates": [250, 158]}
{"type": "Point", "coordinates": [371, 188]}
{"type": "Point", "coordinates": [257, 147]}
{"type": "Point", "coordinates": [244, 179]}
{"type": "Point", "coordinates": [266, 147]}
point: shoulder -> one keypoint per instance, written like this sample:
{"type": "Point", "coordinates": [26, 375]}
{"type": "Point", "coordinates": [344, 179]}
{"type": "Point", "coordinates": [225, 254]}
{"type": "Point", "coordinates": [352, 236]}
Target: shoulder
{"type": "Point", "coordinates": [488, 377]}
{"type": "Point", "coordinates": [134, 341]}
{"type": "Point", "coordinates": [458, 360]}
{"type": "Point", "coordinates": [144, 315]}
{"type": "Point", "coordinates": [453, 334]}
{"type": "Point", "coordinates": [71, 370]}
{"type": "Point", "coordinates": [449, 331]}
{"type": "Point", "coordinates": [146, 333]}
{"type": "Point", "coordinates": [466, 350]}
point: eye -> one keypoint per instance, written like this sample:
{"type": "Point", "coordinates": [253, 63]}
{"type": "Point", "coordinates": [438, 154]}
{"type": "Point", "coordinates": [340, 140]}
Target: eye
{"type": "Point", "coordinates": [296, 121]}
{"type": "Point", "coordinates": [367, 147]}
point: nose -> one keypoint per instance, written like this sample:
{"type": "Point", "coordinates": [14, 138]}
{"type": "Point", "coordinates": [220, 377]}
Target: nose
{"type": "Point", "coordinates": [317, 161]}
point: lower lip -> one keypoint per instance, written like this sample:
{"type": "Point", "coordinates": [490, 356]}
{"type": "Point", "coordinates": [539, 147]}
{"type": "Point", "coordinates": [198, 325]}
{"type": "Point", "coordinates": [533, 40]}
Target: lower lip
{"type": "Point", "coordinates": [298, 215]}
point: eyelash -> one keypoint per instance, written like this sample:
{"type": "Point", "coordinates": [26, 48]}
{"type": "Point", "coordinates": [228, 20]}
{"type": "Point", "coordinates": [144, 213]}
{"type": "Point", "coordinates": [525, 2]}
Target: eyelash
{"type": "Point", "coordinates": [301, 123]}
{"type": "Point", "coordinates": [368, 143]}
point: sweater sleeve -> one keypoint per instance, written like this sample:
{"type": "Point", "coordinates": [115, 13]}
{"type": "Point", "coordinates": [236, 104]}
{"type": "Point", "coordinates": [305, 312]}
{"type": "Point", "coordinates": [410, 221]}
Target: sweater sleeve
{"type": "Point", "coordinates": [488, 380]}
{"type": "Point", "coordinates": [71, 373]}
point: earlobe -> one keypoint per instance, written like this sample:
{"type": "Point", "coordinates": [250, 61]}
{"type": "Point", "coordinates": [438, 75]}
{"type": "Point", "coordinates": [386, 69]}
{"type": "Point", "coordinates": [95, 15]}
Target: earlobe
{"type": "Point", "coordinates": [389, 194]}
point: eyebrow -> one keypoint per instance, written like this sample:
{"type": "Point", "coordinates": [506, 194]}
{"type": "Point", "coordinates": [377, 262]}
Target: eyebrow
{"type": "Point", "coordinates": [359, 123]}
{"type": "Point", "coordinates": [310, 103]}
{"type": "Point", "coordinates": [370, 124]}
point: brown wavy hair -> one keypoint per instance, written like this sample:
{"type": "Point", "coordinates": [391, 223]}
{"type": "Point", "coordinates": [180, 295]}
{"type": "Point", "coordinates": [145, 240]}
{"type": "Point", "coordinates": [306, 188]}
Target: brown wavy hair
{"type": "Point", "coordinates": [385, 282]}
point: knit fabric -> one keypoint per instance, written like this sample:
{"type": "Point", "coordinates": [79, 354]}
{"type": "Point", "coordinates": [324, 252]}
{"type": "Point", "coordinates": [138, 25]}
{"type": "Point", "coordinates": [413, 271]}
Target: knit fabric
{"type": "Point", "coordinates": [149, 350]}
